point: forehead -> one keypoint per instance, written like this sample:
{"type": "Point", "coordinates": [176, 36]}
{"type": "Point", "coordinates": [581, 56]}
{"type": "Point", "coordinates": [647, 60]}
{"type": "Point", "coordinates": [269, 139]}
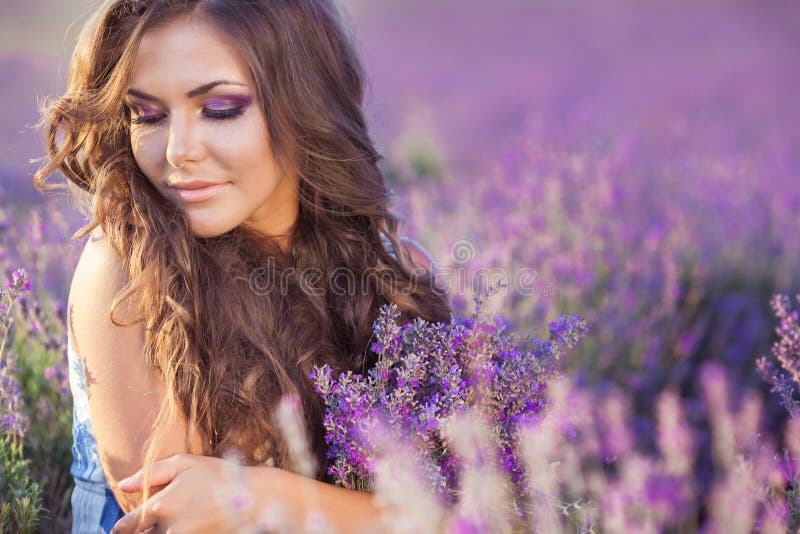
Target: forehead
{"type": "Point", "coordinates": [184, 53]}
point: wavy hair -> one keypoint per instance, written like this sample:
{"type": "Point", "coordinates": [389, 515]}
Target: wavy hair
{"type": "Point", "coordinates": [226, 349]}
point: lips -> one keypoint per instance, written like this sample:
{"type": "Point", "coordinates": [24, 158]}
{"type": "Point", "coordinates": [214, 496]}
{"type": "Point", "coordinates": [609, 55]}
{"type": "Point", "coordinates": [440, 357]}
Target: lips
{"type": "Point", "coordinates": [197, 191]}
{"type": "Point", "coordinates": [193, 184]}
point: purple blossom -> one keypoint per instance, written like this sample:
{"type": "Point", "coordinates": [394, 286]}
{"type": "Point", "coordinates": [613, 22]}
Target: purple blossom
{"type": "Point", "coordinates": [59, 378]}
{"type": "Point", "coordinates": [428, 373]}
{"type": "Point", "coordinates": [12, 416]}
{"type": "Point", "coordinates": [785, 381]}
{"type": "Point", "coordinates": [18, 283]}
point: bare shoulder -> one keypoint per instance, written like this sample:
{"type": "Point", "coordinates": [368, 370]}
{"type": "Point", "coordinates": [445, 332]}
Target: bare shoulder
{"type": "Point", "coordinates": [419, 255]}
{"type": "Point", "coordinates": [99, 276]}
{"type": "Point", "coordinates": [97, 254]}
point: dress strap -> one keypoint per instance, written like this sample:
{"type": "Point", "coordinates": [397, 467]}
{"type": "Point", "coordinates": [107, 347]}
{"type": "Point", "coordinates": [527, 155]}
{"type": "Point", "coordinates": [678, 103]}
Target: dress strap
{"type": "Point", "coordinates": [388, 244]}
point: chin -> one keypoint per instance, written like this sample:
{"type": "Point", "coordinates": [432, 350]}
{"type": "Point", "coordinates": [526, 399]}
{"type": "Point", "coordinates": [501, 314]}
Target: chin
{"type": "Point", "coordinates": [206, 230]}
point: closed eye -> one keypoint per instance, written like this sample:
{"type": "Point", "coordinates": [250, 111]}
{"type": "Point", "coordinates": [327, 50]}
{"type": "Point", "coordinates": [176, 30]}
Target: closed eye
{"type": "Point", "coordinates": [212, 114]}
{"type": "Point", "coordinates": [146, 119]}
{"type": "Point", "coordinates": [223, 114]}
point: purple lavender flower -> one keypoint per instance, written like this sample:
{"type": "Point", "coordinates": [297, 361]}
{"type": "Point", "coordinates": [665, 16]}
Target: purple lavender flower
{"type": "Point", "coordinates": [785, 351]}
{"type": "Point", "coordinates": [59, 378]}
{"type": "Point", "coordinates": [426, 374]}
{"type": "Point", "coordinates": [18, 283]}
{"type": "Point", "coordinates": [12, 418]}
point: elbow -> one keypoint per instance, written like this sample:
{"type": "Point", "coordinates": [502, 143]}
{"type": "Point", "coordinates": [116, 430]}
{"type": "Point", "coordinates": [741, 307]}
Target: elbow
{"type": "Point", "coordinates": [127, 501]}
{"type": "Point", "coordinates": [120, 466]}
{"type": "Point", "coordinates": [117, 469]}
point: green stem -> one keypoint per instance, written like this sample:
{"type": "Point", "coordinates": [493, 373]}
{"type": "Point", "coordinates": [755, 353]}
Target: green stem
{"type": "Point", "coordinates": [5, 334]}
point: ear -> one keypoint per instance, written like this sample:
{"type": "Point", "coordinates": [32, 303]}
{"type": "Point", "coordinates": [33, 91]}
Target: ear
{"type": "Point", "coordinates": [420, 258]}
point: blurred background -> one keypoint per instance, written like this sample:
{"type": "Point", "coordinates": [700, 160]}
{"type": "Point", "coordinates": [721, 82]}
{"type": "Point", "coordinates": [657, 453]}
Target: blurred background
{"type": "Point", "coordinates": [634, 162]}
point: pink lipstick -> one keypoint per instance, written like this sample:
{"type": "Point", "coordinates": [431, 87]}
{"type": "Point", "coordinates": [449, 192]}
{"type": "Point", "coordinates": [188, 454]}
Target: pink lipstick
{"type": "Point", "coordinates": [197, 191]}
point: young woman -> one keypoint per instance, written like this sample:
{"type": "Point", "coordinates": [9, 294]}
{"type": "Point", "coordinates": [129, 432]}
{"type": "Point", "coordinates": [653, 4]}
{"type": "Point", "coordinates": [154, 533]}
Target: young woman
{"type": "Point", "coordinates": [239, 235]}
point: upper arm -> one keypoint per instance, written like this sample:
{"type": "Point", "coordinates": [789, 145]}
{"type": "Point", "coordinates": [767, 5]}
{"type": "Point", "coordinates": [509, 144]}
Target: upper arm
{"type": "Point", "coordinates": [124, 395]}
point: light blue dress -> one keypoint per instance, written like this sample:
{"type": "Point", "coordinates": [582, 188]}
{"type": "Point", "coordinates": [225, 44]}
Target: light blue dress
{"type": "Point", "coordinates": [94, 507]}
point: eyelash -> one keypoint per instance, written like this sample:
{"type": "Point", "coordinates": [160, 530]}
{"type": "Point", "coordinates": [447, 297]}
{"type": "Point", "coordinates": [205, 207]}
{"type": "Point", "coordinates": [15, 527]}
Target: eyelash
{"type": "Point", "coordinates": [213, 114]}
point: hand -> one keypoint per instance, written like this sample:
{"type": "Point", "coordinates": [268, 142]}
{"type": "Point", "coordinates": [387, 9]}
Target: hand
{"type": "Point", "coordinates": [202, 494]}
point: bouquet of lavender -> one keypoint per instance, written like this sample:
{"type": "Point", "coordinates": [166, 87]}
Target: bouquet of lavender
{"type": "Point", "coordinates": [426, 375]}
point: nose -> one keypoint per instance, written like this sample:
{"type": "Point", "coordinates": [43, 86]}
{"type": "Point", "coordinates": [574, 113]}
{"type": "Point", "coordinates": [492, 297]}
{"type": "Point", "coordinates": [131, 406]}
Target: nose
{"type": "Point", "coordinates": [185, 141]}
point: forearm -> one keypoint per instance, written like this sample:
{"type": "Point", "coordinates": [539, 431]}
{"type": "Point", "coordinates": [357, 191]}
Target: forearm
{"type": "Point", "coordinates": [349, 511]}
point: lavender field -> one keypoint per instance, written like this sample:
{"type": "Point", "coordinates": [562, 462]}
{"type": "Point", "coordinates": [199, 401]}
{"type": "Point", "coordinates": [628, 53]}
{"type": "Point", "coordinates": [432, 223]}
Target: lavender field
{"type": "Point", "coordinates": [633, 163]}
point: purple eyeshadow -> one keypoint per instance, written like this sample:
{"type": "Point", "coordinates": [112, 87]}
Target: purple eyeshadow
{"type": "Point", "coordinates": [228, 102]}
{"type": "Point", "coordinates": [143, 110]}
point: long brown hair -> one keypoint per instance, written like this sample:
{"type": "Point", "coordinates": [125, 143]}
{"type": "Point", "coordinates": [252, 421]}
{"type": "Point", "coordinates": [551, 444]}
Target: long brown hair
{"type": "Point", "coordinates": [226, 348]}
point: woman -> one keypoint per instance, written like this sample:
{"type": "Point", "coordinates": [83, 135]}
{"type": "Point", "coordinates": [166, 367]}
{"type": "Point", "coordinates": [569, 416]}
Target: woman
{"type": "Point", "coordinates": [240, 236]}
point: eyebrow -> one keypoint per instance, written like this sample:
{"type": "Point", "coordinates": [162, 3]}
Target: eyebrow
{"type": "Point", "coordinates": [191, 94]}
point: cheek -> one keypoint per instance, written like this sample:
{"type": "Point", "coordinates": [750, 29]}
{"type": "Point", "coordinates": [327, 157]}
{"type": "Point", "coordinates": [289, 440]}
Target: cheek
{"type": "Point", "coordinates": [243, 145]}
{"type": "Point", "coordinates": [149, 152]}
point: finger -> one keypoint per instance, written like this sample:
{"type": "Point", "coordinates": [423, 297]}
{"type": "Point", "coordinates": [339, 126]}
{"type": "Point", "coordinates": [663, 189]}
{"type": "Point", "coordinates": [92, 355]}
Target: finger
{"type": "Point", "coordinates": [135, 521]}
{"type": "Point", "coordinates": [161, 473]}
